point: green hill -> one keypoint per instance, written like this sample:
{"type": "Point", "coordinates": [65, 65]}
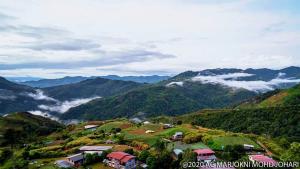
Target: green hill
{"type": "Point", "coordinates": [276, 114]}
{"type": "Point", "coordinates": [160, 99]}
{"type": "Point", "coordinates": [285, 97]}
{"type": "Point", "coordinates": [28, 125]}
{"type": "Point", "coordinates": [15, 97]}
{"type": "Point", "coordinates": [90, 88]}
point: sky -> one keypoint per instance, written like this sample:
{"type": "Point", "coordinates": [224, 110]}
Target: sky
{"type": "Point", "coordinates": [56, 38]}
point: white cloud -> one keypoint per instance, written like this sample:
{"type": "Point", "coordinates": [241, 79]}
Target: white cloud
{"type": "Point", "coordinates": [44, 114]}
{"type": "Point", "coordinates": [201, 34]}
{"type": "Point", "coordinates": [174, 84]}
{"type": "Point", "coordinates": [230, 81]}
{"type": "Point", "coordinates": [62, 107]}
{"type": "Point", "coordinates": [39, 95]}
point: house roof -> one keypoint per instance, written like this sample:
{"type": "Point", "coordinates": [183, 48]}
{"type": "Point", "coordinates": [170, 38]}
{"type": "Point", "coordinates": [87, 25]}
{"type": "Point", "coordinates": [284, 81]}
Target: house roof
{"type": "Point", "coordinates": [136, 120]}
{"type": "Point", "coordinates": [76, 157]}
{"type": "Point", "coordinates": [63, 164]}
{"type": "Point", "coordinates": [204, 151]}
{"type": "Point", "coordinates": [95, 148]}
{"type": "Point", "coordinates": [123, 157]}
{"type": "Point", "coordinates": [90, 126]}
{"type": "Point", "coordinates": [262, 158]}
{"type": "Point", "coordinates": [149, 131]}
{"type": "Point", "coordinates": [177, 151]}
{"type": "Point", "coordinates": [178, 133]}
{"type": "Point", "coordinates": [127, 158]}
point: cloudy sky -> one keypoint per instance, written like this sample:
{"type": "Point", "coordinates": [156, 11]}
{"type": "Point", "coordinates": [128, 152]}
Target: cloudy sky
{"type": "Point", "coordinates": [55, 38]}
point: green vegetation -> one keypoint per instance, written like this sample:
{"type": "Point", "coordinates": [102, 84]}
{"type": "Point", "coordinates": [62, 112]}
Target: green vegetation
{"type": "Point", "coordinates": [155, 100]}
{"type": "Point", "coordinates": [90, 87]}
{"type": "Point", "coordinates": [275, 122]}
{"type": "Point", "coordinates": [219, 143]}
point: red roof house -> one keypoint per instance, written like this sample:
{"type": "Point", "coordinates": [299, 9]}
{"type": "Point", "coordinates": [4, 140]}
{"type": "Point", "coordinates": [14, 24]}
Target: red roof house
{"type": "Point", "coordinates": [120, 159]}
{"type": "Point", "coordinates": [205, 155]}
{"type": "Point", "coordinates": [262, 159]}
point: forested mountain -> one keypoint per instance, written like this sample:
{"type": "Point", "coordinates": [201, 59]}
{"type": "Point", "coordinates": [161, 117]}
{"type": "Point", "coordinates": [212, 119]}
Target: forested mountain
{"type": "Point", "coordinates": [276, 114]}
{"type": "Point", "coordinates": [258, 80]}
{"type": "Point", "coordinates": [43, 83]}
{"type": "Point", "coordinates": [26, 125]}
{"type": "Point", "coordinates": [16, 98]}
{"type": "Point", "coordinates": [90, 88]}
{"type": "Point", "coordinates": [286, 97]}
{"type": "Point", "coordinates": [189, 91]}
{"type": "Point", "coordinates": [154, 100]}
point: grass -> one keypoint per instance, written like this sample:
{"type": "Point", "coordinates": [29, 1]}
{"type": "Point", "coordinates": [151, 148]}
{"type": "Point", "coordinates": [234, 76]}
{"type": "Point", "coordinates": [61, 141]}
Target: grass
{"type": "Point", "coordinates": [148, 139]}
{"type": "Point", "coordinates": [218, 143]}
{"type": "Point", "coordinates": [115, 124]}
{"type": "Point", "coordinates": [183, 146]}
{"type": "Point", "coordinates": [99, 166]}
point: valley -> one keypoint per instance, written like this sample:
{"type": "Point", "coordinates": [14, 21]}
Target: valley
{"type": "Point", "coordinates": [96, 120]}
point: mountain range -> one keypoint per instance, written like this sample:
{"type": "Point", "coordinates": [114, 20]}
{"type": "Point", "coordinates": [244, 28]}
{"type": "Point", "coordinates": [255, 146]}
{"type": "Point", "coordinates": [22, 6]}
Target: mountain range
{"type": "Point", "coordinates": [187, 92]}
{"type": "Point", "coordinates": [43, 83]}
{"type": "Point", "coordinates": [275, 114]}
{"type": "Point", "coordinates": [103, 98]}
{"type": "Point", "coordinates": [16, 97]}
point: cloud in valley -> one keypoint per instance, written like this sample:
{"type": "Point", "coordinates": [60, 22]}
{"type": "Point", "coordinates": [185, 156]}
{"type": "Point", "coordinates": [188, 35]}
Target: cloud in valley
{"type": "Point", "coordinates": [39, 95]}
{"type": "Point", "coordinates": [62, 107]}
{"type": "Point", "coordinates": [230, 80]}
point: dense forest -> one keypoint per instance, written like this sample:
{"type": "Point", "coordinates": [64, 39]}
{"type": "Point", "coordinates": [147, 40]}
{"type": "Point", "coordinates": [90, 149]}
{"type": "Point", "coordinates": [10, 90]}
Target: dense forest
{"type": "Point", "coordinates": [155, 100]}
{"type": "Point", "coordinates": [275, 121]}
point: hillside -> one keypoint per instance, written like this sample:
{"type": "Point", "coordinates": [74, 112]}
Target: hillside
{"type": "Point", "coordinates": [190, 91]}
{"type": "Point", "coordinates": [258, 80]}
{"type": "Point", "coordinates": [16, 98]}
{"type": "Point", "coordinates": [275, 122]}
{"type": "Point", "coordinates": [286, 97]}
{"type": "Point", "coordinates": [43, 83]}
{"type": "Point", "coordinates": [28, 125]}
{"type": "Point", "coordinates": [155, 100]}
{"type": "Point", "coordinates": [275, 114]}
{"type": "Point", "coordinates": [90, 88]}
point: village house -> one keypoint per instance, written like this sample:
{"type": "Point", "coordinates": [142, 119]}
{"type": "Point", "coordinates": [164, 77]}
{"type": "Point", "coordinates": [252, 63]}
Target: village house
{"type": "Point", "coordinates": [94, 149]}
{"type": "Point", "coordinates": [248, 147]}
{"type": "Point", "coordinates": [76, 160]}
{"type": "Point", "coordinates": [177, 152]}
{"type": "Point", "coordinates": [63, 164]}
{"type": "Point", "coordinates": [135, 120]}
{"type": "Point", "coordinates": [149, 131]}
{"type": "Point", "coordinates": [177, 136]}
{"type": "Point", "coordinates": [120, 160]}
{"type": "Point", "coordinates": [259, 158]}
{"type": "Point", "coordinates": [109, 142]}
{"type": "Point", "coordinates": [205, 155]}
{"type": "Point", "coordinates": [146, 122]}
{"type": "Point", "coordinates": [91, 127]}
{"type": "Point", "coordinates": [167, 126]}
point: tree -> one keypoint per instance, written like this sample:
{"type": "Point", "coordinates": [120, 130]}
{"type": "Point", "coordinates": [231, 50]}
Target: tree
{"type": "Point", "coordinates": [159, 145]}
{"type": "Point", "coordinates": [129, 151]}
{"type": "Point", "coordinates": [121, 139]}
{"type": "Point", "coordinates": [179, 122]}
{"type": "Point", "coordinates": [162, 158]}
{"type": "Point", "coordinates": [144, 155]}
{"type": "Point", "coordinates": [292, 154]}
{"type": "Point", "coordinates": [151, 162]}
{"type": "Point", "coordinates": [13, 137]}
{"type": "Point", "coordinates": [188, 156]}
{"type": "Point", "coordinates": [91, 158]}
